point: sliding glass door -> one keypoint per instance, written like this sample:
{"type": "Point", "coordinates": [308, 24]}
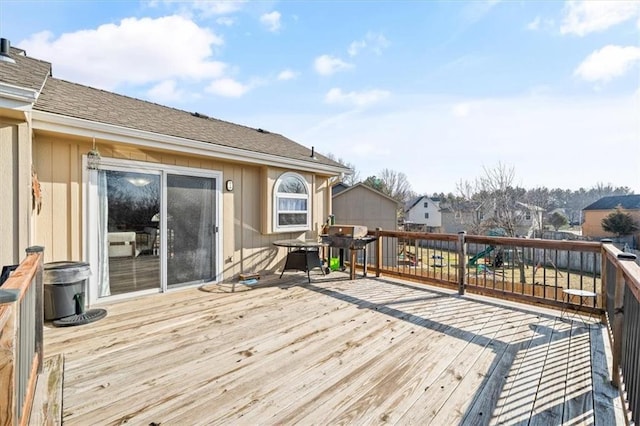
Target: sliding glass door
{"type": "Point", "coordinates": [129, 211]}
{"type": "Point", "coordinates": [191, 230]}
{"type": "Point", "coordinates": [151, 227]}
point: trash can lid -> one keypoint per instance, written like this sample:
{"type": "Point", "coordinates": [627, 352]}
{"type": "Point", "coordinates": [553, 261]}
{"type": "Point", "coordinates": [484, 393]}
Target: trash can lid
{"type": "Point", "coordinates": [64, 264]}
{"type": "Point", "coordinates": [65, 272]}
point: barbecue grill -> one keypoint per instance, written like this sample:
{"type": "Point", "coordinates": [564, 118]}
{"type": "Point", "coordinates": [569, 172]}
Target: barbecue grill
{"type": "Point", "coordinates": [352, 237]}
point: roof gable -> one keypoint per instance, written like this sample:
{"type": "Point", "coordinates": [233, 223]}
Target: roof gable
{"type": "Point", "coordinates": [362, 185]}
{"type": "Point", "coordinates": [627, 202]}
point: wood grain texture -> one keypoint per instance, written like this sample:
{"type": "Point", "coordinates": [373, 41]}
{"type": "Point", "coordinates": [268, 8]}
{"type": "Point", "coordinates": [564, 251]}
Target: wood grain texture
{"type": "Point", "coordinates": [47, 405]}
{"type": "Point", "coordinates": [335, 351]}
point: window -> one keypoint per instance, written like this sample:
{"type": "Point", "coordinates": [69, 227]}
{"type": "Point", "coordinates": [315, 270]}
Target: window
{"type": "Point", "coordinates": [426, 204]}
{"type": "Point", "coordinates": [426, 215]}
{"type": "Point", "coordinates": [291, 204]}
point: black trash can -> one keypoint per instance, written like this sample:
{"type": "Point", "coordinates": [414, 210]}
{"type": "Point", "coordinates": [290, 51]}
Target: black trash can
{"type": "Point", "coordinates": [64, 288]}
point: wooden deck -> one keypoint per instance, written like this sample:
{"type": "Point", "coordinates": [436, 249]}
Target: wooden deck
{"type": "Point", "coordinates": [369, 351]}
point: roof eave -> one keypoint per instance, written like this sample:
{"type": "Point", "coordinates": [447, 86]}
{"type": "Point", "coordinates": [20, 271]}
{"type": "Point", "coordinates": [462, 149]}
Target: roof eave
{"type": "Point", "coordinates": [16, 97]}
{"type": "Point", "coordinates": [85, 128]}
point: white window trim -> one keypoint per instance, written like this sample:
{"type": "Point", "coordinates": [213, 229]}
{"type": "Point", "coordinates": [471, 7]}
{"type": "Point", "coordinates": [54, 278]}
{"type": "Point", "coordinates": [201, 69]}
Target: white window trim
{"type": "Point", "coordinates": [307, 196]}
{"type": "Point", "coordinates": [90, 182]}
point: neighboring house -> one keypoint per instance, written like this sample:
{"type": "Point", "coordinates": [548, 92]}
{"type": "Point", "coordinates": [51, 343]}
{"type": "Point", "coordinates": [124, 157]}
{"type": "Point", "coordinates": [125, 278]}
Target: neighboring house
{"type": "Point", "coordinates": [423, 214]}
{"type": "Point", "coordinates": [477, 218]}
{"type": "Point", "coordinates": [153, 198]}
{"type": "Point", "coordinates": [530, 219]}
{"type": "Point", "coordinates": [595, 212]}
{"type": "Point", "coordinates": [362, 205]}
{"type": "Point", "coordinates": [462, 218]}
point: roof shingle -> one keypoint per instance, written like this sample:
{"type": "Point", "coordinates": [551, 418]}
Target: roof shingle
{"type": "Point", "coordinates": [627, 202]}
{"type": "Point", "coordinates": [75, 100]}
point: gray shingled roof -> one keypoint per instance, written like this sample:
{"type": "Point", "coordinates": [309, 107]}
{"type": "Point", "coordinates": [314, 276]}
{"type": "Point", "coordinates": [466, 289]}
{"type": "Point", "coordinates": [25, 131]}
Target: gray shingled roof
{"type": "Point", "coordinates": [83, 102]}
{"type": "Point", "coordinates": [628, 202]}
{"type": "Point", "coordinates": [26, 72]}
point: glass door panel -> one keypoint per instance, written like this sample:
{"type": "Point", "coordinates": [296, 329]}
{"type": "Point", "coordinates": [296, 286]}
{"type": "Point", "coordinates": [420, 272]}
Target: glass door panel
{"type": "Point", "coordinates": [130, 242]}
{"type": "Point", "coordinates": [191, 230]}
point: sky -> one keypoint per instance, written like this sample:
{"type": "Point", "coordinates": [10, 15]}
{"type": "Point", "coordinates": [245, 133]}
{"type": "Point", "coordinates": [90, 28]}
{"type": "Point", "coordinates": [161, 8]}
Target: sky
{"type": "Point", "coordinates": [438, 90]}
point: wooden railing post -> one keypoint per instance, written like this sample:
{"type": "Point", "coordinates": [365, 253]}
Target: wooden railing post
{"type": "Point", "coordinates": [39, 305]}
{"type": "Point", "coordinates": [378, 252]}
{"type": "Point", "coordinates": [462, 261]}
{"type": "Point", "coordinates": [618, 319]}
{"type": "Point", "coordinates": [603, 278]}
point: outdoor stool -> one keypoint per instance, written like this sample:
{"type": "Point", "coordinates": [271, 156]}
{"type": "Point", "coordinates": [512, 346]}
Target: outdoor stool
{"type": "Point", "coordinates": [571, 297]}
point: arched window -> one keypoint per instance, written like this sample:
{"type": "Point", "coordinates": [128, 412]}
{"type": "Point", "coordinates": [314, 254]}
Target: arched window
{"type": "Point", "coordinates": [291, 204]}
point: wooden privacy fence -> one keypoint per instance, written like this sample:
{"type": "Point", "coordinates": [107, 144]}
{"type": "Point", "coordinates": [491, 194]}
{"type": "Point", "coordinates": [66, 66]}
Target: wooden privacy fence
{"type": "Point", "coordinates": [623, 314]}
{"type": "Point", "coordinates": [21, 330]}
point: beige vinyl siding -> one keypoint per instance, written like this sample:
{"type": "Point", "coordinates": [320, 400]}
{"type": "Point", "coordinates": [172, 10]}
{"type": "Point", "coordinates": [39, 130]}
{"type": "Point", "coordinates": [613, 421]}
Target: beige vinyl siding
{"type": "Point", "coordinates": [245, 247]}
{"type": "Point", "coordinates": [15, 190]}
{"type": "Point", "coordinates": [361, 206]}
{"type": "Point", "coordinates": [592, 225]}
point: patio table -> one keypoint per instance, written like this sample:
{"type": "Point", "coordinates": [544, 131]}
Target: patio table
{"type": "Point", "coordinates": [302, 255]}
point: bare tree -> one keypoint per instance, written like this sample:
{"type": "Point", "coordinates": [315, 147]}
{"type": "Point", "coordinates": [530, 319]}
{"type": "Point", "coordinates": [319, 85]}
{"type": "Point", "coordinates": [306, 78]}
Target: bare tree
{"type": "Point", "coordinates": [349, 179]}
{"type": "Point", "coordinates": [396, 185]}
{"type": "Point", "coordinates": [491, 201]}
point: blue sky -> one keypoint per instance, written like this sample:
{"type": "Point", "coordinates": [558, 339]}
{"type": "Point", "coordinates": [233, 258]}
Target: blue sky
{"type": "Point", "coordinates": [437, 90]}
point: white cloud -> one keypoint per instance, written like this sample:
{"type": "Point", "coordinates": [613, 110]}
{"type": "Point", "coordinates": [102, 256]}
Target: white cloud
{"type": "Point", "coordinates": [375, 42]}
{"type": "Point", "coordinates": [609, 62]}
{"type": "Point", "coordinates": [287, 75]}
{"type": "Point", "coordinates": [133, 51]}
{"type": "Point", "coordinates": [584, 17]}
{"type": "Point", "coordinates": [228, 88]}
{"type": "Point", "coordinates": [535, 24]}
{"type": "Point", "coordinates": [359, 99]}
{"type": "Point", "coordinates": [540, 24]}
{"type": "Point", "coordinates": [327, 65]}
{"type": "Point", "coordinates": [225, 21]}
{"type": "Point", "coordinates": [461, 109]}
{"type": "Point", "coordinates": [356, 46]}
{"type": "Point", "coordinates": [166, 91]}
{"type": "Point", "coordinates": [204, 8]}
{"type": "Point", "coordinates": [271, 21]}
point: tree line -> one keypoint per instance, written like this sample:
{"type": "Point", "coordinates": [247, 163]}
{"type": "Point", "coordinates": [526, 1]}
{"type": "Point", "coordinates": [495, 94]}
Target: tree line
{"type": "Point", "coordinates": [495, 188]}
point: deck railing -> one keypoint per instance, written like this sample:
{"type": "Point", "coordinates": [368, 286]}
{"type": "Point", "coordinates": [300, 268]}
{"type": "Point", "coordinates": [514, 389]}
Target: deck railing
{"type": "Point", "coordinates": [623, 313]}
{"type": "Point", "coordinates": [21, 332]}
{"type": "Point", "coordinates": [532, 270]}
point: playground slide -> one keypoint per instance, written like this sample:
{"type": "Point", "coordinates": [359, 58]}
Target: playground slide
{"type": "Point", "coordinates": [485, 252]}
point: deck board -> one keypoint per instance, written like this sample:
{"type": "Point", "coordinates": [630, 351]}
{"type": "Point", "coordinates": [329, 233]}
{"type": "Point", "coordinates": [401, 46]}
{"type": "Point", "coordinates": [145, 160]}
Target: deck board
{"type": "Point", "coordinates": [330, 352]}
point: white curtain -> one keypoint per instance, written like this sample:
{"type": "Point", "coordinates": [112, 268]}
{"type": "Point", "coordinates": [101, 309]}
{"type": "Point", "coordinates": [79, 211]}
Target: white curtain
{"type": "Point", "coordinates": [103, 230]}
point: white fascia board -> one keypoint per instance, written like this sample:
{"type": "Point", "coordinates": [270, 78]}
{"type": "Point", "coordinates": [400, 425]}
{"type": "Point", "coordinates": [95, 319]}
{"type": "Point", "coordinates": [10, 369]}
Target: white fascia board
{"type": "Point", "coordinates": [79, 127]}
{"type": "Point", "coordinates": [16, 97]}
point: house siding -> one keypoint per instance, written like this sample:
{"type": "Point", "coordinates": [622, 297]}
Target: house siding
{"type": "Point", "coordinates": [592, 222]}
{"type": "Point", "coordinates": [58, 161]}
{"type": "Point", "coordinates": [15, 190]}
{"type": "Point", "coordinates": [361, 206]}
{"type": "Point", "coordinates": [416, 214]}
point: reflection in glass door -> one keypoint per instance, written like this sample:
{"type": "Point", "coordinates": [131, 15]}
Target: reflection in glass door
{"type": "Point", "coordinates": [191, 229]}
{"type": "Point", "coordinates": [129, 219]}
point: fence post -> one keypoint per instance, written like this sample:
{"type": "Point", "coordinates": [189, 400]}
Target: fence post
{"type": "Point", "coordinates": [378, 252]}
{"type": "Point", "coordinates": [462, 261]}
{"type": "Point", "coordinates": [39, 305]}
{"type": "Point", "coordinates": [618, 320]}
{"type": "Point", "coordinates": [603, 278]}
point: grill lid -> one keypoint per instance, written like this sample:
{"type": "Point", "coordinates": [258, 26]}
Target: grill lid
{"type": "Point", "coordinates": [353, 231]}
